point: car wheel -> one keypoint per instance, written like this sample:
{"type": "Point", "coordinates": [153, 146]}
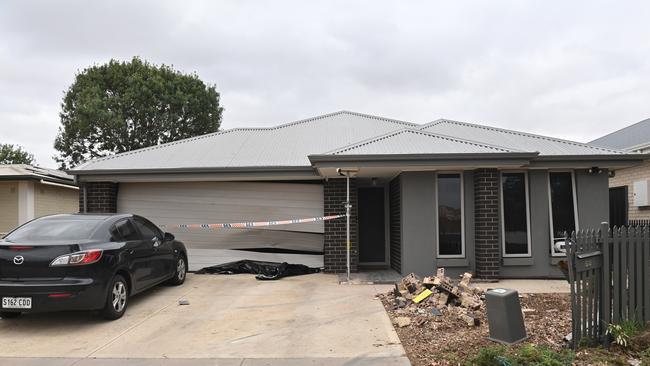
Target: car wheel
{"type": "Point", "coordinates": [181, 272]}
{"type": "Point", "coordinates": [117, 299]}
{"type": "Point", "coordinates": [9, 315]}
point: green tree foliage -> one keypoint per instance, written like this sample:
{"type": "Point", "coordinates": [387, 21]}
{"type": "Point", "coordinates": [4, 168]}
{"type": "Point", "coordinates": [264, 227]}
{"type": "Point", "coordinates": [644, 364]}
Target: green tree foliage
{"type": "Point", "coordinates": [123, 106]}
{"type": "Point", "coordinates": [13, 154]}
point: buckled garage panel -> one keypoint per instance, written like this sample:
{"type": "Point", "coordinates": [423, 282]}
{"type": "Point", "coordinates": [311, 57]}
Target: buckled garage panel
{"type": "Point", "coordinates": [215, 202]}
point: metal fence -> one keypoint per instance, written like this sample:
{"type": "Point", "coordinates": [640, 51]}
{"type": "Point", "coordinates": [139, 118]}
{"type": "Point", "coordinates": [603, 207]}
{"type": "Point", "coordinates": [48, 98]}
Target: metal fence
{"type": "Point", "coordinates": [609, 271]}
{"type": "Point", "coordinates": [638, 222]}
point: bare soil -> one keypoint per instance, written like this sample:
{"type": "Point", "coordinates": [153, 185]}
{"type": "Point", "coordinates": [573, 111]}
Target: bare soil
{"type": "Point", "coordinates": [446, 340]}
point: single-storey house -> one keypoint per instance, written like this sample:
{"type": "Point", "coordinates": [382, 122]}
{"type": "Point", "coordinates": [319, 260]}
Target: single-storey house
{"type": "Point", "coordinates": [28, 192]}
{"type": "Point", "coordinates": [629, 200]}
{"type": "Point", "coordinates": [441, 194]}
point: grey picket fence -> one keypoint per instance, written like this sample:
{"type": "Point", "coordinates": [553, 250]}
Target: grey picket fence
{"type": "Point", "coordinates": [609, 273]}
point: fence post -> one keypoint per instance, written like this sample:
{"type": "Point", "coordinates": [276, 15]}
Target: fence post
{"type": "Point", "coordinates": [606, 284]}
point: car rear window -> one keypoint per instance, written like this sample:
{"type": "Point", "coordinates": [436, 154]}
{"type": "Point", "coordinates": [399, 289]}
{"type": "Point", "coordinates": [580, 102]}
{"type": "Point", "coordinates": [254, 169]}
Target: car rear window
{"type": "Point", "coordinates": [44, 230]}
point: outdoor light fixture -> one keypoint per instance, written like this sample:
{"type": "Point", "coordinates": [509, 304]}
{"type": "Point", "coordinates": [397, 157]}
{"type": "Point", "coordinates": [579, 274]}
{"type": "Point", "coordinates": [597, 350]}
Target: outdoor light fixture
{"type": "Point", "coordinates": [595, 170]}
{"type": "Point", "coordinates": [347, 173]}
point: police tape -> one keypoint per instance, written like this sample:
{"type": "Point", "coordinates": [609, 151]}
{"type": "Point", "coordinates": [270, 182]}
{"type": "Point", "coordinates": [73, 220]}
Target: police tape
{"type": "Point", "coordinates": [251, 224]}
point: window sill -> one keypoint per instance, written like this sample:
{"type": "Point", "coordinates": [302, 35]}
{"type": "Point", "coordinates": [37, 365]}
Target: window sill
{"type": "Point", "coordinates": [452, 262]}
{"type": "Point", "coordinates": [513, 261]}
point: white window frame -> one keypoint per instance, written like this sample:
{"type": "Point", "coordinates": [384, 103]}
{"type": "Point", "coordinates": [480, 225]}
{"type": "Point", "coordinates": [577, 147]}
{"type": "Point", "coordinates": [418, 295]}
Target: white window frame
{"type": "Point", "coordinates": [462, 217]}
{"type": "Point", "coordinates": [554, 253]}
{"type": "Point", "coordinates": [503, 224]}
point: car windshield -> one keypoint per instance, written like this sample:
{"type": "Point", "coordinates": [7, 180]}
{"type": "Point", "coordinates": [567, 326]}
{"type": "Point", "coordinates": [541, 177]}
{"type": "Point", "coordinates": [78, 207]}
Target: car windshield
{"type": "Point", "coordinates": [54, 229]}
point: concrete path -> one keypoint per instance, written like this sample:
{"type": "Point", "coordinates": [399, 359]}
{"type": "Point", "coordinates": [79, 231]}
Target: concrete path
{"type": "Point", "coordinates": [365, 361]}
{"type": "Point", "coordinates": [530, 286]}
{"type": "Point", "coordinates": [230, 320]}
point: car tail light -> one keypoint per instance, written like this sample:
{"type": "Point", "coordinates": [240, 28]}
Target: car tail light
{"type": "Point", "coordinates": [78, 258]}
{"type": "Point", "coordinates": [20, 247]}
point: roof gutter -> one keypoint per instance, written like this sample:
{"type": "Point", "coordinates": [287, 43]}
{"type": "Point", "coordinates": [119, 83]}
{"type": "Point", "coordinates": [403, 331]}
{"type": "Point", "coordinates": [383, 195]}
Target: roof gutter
{"type": "Point", "coordinates": [263, 169]}
{"type": "Point", "coordinates": [611, 161]}
{"type": "Point", "coordinates": [601, 157]}
{"type": "Point", "coordinates": [422, 157]}
{"type": "Point", "coordinates": [58, 184]}
{"type": "Point", "coordinates": [62, 182]}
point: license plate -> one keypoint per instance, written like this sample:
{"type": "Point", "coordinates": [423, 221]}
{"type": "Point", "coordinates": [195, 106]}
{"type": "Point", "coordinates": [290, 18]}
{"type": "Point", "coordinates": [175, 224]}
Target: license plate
{"type": "Point", "coordinates": [16, 302]}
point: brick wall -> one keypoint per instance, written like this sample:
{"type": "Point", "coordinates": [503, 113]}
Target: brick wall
{"type": "Point", "coordinates": [101, 197]}
{"type": "Point", "coordinates": [627, 177]}
{"type": "Point", "coordinates": [334, 192]}
{"type": "Point", "coordinates": [486, 221]}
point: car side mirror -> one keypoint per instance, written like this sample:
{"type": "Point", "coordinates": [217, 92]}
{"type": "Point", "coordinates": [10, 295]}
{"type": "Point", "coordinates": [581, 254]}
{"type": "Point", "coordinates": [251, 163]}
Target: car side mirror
{"type": "Point", "coordinates": [169, 237]}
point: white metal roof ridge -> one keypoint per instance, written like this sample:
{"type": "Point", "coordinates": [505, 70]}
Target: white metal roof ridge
{"type": "Point", "coordinates": [519, 133]}
{"type": "Point", "coordinates": [364, 115]}
{"type": "Point", "coordinates": [388, 135]}
{"type": "Point", "coordinates": [237, 129]}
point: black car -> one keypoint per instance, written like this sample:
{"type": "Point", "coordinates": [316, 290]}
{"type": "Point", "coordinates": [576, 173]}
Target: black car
{"type": "Point", "coordinates": [85, 262]}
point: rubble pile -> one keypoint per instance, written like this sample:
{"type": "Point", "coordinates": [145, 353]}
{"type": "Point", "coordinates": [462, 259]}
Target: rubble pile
{"type": "Point", "coordinates": [436, 299]}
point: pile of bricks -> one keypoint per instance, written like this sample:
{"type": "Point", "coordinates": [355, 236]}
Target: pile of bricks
{"type": "Point", "coordinates": [437, 296]}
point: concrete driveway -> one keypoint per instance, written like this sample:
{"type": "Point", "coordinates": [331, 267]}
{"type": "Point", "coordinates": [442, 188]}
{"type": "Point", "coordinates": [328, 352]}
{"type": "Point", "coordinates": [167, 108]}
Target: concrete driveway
{"type": "Point", "coordinates": [231, 320]}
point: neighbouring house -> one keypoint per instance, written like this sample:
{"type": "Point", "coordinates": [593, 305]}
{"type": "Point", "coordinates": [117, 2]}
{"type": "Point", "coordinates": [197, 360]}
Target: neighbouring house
{"type": "Point", "coordinates": [629, 201]}
{"type": "Point", "coordinates": [28, 192]}
{"type": "Point", "coordinates": [441, 194]}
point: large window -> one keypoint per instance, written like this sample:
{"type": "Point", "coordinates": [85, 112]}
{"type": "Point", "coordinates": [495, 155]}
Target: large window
{"type": "Point", "coordinates": [562, 207]}
{"type": "Point", "coordinates": [450, 216]}
{"type": "Point", "coordinates": [514, 214]}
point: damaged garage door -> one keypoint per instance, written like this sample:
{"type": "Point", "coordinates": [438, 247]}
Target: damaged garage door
{"type": "Point", "coordinates": [219, 202]}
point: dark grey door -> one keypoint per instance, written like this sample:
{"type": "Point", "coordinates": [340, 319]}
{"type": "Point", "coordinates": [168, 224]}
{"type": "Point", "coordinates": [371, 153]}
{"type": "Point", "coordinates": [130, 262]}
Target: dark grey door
{"type": "Point", "coordinates": [372, 233]}
{"type": "Point", "coordinates": [618, 206]}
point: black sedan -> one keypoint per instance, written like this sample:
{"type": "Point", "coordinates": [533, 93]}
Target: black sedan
{"type": "Point", "coordinates": [85, 262]}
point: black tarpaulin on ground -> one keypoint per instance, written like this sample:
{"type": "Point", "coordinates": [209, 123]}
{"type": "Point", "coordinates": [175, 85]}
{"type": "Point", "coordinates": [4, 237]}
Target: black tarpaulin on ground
{"type": "Point", "coordinates": [263, 270]}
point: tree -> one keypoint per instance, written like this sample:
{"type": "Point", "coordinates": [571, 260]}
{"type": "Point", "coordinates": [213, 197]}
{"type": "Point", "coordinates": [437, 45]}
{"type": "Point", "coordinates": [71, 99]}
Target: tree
{"type": "Point", "coordinates": [123, 106]}
{"type": "Point", "coordinates": [14, 154]}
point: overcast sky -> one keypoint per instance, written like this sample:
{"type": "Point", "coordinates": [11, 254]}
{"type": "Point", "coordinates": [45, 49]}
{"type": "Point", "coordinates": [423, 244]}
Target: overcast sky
{"type": "Point", "coordinates": [570, 69]}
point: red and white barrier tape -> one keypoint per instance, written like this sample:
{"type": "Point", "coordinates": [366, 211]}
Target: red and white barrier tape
{"type": "Point", "coordinates": [252, 224]}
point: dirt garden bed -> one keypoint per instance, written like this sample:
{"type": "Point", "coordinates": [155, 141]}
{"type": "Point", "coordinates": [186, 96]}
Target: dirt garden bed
{"type": "Point", "coordinates": [445, 340]}
{"type": "Point", "coordinates": [435, 334]}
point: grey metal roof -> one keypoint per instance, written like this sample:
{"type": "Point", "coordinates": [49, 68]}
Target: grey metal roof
{"type": "Point", "coordinates": [627, 138]}
{"type": "Point", "coordinates": [289, 145]}
{"type": "Point", "coordinates": [511, 139]}
{"type": "Point", "coordinates": [24, 171]}
{"type": "Point", "coordinates": [284, 145]}
{"type": "Point", "coordinates": [411, 141]}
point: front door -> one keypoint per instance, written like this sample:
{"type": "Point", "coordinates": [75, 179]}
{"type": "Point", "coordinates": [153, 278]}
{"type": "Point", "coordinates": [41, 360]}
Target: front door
{"type": "Point", "coordinates": [372, 230]}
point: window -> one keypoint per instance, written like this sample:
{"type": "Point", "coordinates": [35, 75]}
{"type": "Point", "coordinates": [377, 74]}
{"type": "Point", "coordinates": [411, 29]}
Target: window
{"type": "Point", "coordinates": [125, 230]}
{"type": "Point", "coordinates": [57, 228]}
{"type": "Point", "coordinates": [562, 208]}
{"type": "Point", "coordinates": [514, 215]}
{"type": "Point", "coordinates": [148, 230]}
{"type": "Point", "coordinates": [450, 216]}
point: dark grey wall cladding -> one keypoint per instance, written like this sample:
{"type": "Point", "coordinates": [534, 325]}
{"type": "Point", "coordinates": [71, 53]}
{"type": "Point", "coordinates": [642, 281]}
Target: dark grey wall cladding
{"type": "Point", "coordinates": [101, 197]}
{"type": "Point", "coordinates": [335, 252]}
{"type": "Point", "coordinates": [593, 208]}
{"type": "Point", "coordinates": [395, 216]}
{"type": "Point", "coordinates": [593, 198]}
{"type": "Point", "coordinates": [486, 220]}
{"type": "Point", "coordinates": [418, 225]}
